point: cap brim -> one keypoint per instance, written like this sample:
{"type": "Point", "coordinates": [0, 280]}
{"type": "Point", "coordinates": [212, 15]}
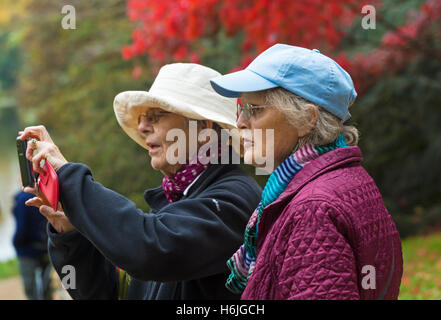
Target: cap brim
{"type": "Point", "coordinates": [233, 84]}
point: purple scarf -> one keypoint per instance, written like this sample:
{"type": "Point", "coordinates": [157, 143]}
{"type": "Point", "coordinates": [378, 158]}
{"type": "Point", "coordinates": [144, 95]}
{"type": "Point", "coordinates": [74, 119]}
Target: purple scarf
{"type": "Point", "coordinates": [175, 185]}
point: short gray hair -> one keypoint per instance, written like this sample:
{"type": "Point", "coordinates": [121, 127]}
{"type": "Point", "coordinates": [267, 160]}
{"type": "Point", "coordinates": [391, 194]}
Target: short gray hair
{"type": "Point", "coordinates": [327, 128]}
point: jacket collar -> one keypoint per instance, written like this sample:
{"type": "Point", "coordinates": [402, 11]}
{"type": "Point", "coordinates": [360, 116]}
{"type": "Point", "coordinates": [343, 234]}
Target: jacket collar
{"type": "Point", "coordinates": [326, 162]}
{"type": "Point", "coordinates": [156, 198]}
{"type": "Point", "coordinates": [329, 161]}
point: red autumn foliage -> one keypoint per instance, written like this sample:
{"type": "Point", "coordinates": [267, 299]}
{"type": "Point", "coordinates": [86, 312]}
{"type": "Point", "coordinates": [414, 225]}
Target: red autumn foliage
{"type": "Point", "coordinates": [400, 47]}
{"type": "Point", "coordinates": [169, 28]}
{"type": "Point", "coordinates": [172, 30]}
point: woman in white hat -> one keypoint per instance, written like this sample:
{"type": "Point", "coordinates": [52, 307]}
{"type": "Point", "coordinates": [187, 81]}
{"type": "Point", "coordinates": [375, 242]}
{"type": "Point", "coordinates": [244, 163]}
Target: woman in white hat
{"type": "Point", "coordinates": [179, 249]}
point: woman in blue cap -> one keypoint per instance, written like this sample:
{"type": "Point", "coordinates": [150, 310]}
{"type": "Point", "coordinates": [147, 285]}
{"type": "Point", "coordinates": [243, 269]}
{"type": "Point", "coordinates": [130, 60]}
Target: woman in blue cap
{"type": "Point", "coordinates": [321, 230]}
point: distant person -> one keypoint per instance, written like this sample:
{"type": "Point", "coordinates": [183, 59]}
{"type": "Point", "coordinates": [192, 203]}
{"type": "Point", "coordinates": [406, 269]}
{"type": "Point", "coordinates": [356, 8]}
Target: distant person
{"type": "Point", "coordinates": [30, 243]}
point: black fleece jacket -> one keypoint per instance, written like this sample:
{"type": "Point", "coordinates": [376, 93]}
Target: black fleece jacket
{"type": "Point", "coordinates": [176, 251]}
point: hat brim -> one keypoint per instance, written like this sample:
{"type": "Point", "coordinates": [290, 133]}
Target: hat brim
{"type": "Point", "coordinates": [129, 104]}
{"type": "Point", "coordinates": [234, 84]}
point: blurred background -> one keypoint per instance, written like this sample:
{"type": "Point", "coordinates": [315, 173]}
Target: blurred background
{"type": "Point", "coordinates": [66, 79]}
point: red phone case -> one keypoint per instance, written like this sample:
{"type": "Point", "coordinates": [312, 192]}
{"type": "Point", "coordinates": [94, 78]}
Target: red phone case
{"type": "Point", "coordinates": [48, 184]}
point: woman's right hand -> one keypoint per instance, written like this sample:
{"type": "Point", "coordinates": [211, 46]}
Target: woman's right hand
{"type": "Point", "coordinates": [57, 219]}
{"type": "Point", "coordinates": [45, 147]}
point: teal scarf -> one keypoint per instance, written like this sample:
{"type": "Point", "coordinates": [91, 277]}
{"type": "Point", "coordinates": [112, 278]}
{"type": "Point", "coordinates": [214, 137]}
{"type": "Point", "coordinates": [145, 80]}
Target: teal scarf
{"type": "Point", "coordinates": [243, 261]}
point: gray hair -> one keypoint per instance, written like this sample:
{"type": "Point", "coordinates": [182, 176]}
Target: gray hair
{"type": "Point", "coordinates": [327, 127]}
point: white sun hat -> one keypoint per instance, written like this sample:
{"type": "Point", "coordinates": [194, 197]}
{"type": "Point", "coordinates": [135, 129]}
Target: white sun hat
{"type": "Point", "coordinates": [181, 88]}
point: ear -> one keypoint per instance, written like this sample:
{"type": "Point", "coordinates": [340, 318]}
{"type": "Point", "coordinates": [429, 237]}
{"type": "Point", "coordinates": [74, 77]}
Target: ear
{"type": "Point", "coordinates": [311, 119]}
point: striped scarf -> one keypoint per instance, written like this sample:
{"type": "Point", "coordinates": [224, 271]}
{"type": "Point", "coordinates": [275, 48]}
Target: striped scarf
{"type": "Point", "coordinates": [243, 261]}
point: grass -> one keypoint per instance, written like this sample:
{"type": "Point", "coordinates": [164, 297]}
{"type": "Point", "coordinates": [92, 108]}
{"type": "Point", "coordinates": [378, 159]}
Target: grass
{"type": "Point", "coordinates": [9, 269]}
{"type": "Point", "coordinates": [422, 268]}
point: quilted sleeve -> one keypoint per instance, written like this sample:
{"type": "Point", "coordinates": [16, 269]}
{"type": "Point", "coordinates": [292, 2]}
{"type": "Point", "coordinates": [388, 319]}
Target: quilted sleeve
{"type": "Point", "coordinates": [318, 262]}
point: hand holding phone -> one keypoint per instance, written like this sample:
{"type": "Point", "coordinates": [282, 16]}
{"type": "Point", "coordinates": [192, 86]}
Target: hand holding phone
{"type": "Point", "coordinates": [46, 184]}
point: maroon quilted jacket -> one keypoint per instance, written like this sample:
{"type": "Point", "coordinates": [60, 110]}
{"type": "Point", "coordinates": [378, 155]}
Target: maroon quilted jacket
{"type": "Point", "coordinates": [328, 236]}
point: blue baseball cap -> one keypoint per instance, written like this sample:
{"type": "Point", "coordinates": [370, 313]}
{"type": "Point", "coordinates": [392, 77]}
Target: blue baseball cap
{"type": "Point", "coordinates": [304, 72]}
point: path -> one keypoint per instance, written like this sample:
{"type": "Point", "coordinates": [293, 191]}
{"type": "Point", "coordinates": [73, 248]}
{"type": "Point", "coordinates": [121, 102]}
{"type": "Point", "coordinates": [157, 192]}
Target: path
{"type": "Point", "coordinates": [12, 289]}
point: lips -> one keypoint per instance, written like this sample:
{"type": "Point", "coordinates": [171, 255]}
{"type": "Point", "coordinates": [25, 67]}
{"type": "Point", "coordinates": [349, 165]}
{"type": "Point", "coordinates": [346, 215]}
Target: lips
{"type": "Point", "coordinates": [153, 147]}
{"type": "Point", "coordinates": [247, 142]}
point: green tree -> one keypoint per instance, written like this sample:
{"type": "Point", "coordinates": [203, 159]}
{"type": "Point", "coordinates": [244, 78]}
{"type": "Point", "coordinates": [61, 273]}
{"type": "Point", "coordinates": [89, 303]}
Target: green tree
{"type": "Point", "coordinates": [68, 82]}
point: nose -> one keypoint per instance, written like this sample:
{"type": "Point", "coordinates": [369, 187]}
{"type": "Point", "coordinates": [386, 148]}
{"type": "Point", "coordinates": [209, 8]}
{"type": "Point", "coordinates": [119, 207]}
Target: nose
{"type": "Point", "coordinates": [144, 126]}
{"type": "Point", "coordinates": [242, 122]}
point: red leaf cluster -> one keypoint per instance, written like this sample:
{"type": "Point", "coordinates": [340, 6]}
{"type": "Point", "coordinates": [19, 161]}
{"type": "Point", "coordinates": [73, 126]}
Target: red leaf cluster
{"type": "Point", "coordinates": [416, 38]}
{"type": "Point", "coordinates": [167, 29]}
{"type": "Point", "coordinates": [180, 30]}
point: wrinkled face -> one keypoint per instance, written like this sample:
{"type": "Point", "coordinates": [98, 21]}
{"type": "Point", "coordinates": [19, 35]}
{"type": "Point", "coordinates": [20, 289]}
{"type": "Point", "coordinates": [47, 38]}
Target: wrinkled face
{"type": "Point", "coordinates": [154, 124]}
{"type": "Point", "coordinates": [285, 135]}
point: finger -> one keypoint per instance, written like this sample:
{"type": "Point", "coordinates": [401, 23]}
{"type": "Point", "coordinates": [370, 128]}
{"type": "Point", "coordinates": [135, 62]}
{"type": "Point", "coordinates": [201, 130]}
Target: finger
{"type": "Point", "coordinates": [47, 211]}
{"type": "Point", "coordinates": [30, 132]}
{"type": "Point", "coordinates": [30, 190]}
{"type": "Point", "coordinates": [44, 199]}
{"type": "Point", "coordinates": [36, 160]}
{"type": "Point", "coordinates": [30, 149]}
{"type": "Point", "coordinates": [38, 132]}
{"type": "Point", "coordinates": [34, 202]}
{"type": "Point", "coordinates": [33, 146]}
{"type": "Point", "coordinates": [48, 152]}
{"type": "Point", "coordinates": [36, 145]}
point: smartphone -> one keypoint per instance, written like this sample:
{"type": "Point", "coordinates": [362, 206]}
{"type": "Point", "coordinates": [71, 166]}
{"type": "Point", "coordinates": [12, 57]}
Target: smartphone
{"type": "Point", "coordinates": [27, 177]}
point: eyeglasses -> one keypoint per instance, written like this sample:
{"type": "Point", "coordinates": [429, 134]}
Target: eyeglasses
{"type": "Point", "coordinates": [248, 109]}
{"type": "Point", "coordinates": [151, 117]}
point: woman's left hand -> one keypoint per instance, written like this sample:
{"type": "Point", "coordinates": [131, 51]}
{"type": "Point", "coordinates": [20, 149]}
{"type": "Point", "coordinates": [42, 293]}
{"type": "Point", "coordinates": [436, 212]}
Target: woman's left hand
{"type": "Point", "coordinates": [46, 149]}
{"type": "Point", "coordinates": [57, 219]}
